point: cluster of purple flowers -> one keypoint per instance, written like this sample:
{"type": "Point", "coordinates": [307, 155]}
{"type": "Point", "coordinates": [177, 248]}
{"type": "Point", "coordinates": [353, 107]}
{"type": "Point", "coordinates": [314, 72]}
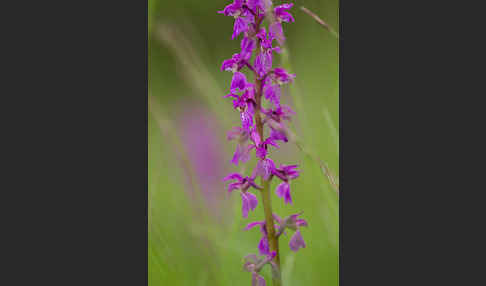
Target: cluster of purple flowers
{"type": "Point", "coordinates": [247, 100]}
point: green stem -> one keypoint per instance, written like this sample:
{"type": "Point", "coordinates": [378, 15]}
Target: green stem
{"type": "Point", "coordinates": [272, 238]}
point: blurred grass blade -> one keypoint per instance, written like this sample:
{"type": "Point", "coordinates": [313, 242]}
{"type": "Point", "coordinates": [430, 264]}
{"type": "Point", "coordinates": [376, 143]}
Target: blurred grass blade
{"type": "Point", "coordinates": [320, 21]}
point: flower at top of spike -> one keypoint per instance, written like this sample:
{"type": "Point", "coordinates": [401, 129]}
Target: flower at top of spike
{"type": "Point", "coordinates": [281, 15]}
{"type": "Point", "coordinates": [243, 17]}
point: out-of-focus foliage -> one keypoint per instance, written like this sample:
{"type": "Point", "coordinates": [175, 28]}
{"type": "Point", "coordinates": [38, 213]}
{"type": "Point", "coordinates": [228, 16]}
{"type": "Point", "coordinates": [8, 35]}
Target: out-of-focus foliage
{"type": "Point", "coordinates": [196, 232]}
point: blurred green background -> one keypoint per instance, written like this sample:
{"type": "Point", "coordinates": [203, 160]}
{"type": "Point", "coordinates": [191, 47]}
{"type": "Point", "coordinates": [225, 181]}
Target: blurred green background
{"type": "Point", "coordinates": [196, 232]}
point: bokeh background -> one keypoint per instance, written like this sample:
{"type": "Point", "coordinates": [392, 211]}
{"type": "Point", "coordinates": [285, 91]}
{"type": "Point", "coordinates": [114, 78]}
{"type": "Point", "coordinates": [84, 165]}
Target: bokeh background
{"type": "Point", "coordinates": [196, 232]}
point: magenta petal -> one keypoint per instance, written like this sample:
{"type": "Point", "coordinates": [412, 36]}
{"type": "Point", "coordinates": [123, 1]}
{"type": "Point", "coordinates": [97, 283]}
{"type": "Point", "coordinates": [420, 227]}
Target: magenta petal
{"type": "Point", "coordinates": [255, 137]}
{"type": "Point", "coordinates": [252, 200]}
{"type": "Point", "coordinates": [263, 63]}
{"type": "Point", "coordinates": [260, 281]}
{"type": "Point", "coordinates": [296, 242]}
{"type": "Point", "coordinates": [233, 176]}
{"type": "Point", "coordinates": [261, 152]}
{"type": "Point", "coordinates": [245, 205]}
{"type": "Point", "coordinates": [282, 14]}
{"type": "Point", "coordinates": [253, 224]}
{"type": "Point", "coordinates": [284, 6]}
{"type": "Point", "coordinates": [241, 25]}
{"type": "Point", "coordinates": [287, 197]}
{"type": "Point", "coordinates": [245, 154]}
{"type": "Point", "coordinates": [254, 4]}
{"type": "Point", "coordinates": [237, 155]}
{"type": "Point", "coordinates": [267, 61]}
{"type": "Point", "coordinates": [269, 141]}
{"type": "Point", "coordinates": [282, 76]}
{"type": "Point", "coordinates": [277, 32]}
{"type": "Point", "coordinates": [286, 17]}
{"type": "Point", "coordinates": [247, 47]}
{"type": "Point", "coordinates": [278, 135]}
{"type": "Point", "coordinates": [230, 64]}
{"type": "Point", "coordinates": [301, 222]}
{"type": "Point", "coordinates": [249, 202]}
{"type": "Point", "coordinates": [254, 278]}
{"type": "Point", "coordinates": [257, 280]}
{"type": "Point", "coordinates": [268, 167]}
{"type": "Point", "coordinates": [232, 8]}
{"type": "Point", "coordinates": [281, 189]}
{"type": "Point", "coordinates": [233, 186]}
{"type": "Point", "coordinates": [246, 120]}
{"type": "Point", "coordinates": [263, 246]}
{"type": "Point", "coordinates": [265, 168]}
{"type": "Point", "coordinates": [272, 93]}
{"type": "Point", "coordinates": [277, 218]}
{"type": "Point", "coordinates": [238, 81]}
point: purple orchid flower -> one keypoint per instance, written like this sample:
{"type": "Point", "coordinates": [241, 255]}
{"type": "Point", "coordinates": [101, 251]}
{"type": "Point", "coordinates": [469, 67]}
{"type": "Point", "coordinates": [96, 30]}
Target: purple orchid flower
{"type": "Point", "coordinates": [272, 92]}
{"type": "Point", "coordinates": [282, 112]}
{"type": "Point", "coordinates": [246, 117]}
{"type": "Point", "coordinates": [274, 118]}
{"type": "Point", "coordinates": [234, 64]}
{"type": "Point", "coordinates": [292, 222]}
{"type": "Point", "coordinates": [249, 200]}
{"type": "Point", "coordinates": [242, 24]}
{"type": "Point", "coordinates": [243, 17]}
{"type": "Point", "coordinates": [238, 61]}
{"type": "Point", "coordinates": [263, 61]}
{"type": "Point", "coordinates": [264, 168]}
{"type": "Point", "coordinates": [246, 100]}
{"type": "Point", "coordinates": [254, 265]}
{"type": "Point", "coordinates": [285, 173]}
{"type": "Point", "coordinates": [242, 152]}
{"type": "Point", "coordinates": [272, 83]}
{"type": "Point", "coordinates": [238, 82]}
{"type": "Point", "coordinates": [263, 246]}
{"type": "Point", "coordinates": [245, 104]}
{"type": "Point", "coordinates": [296, 241]}
{"type": "Point", "coordinates": [257, 7]}
{"type": "Point", "coordinates": [234, 9]}
{"type": "Point", "coordinates": [281, 76]}
{"type": "Point", "coordinates": [261, 146]}
{"type": "Point", "coordinates": [277, 31]}
{"type": "Point", "coordinates": [281, 15]}
{"type": "Point", "coordinates": [247, 46]}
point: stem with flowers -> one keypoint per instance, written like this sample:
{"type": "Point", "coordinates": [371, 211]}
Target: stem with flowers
{"type": "Point", "coordinates": [266, 198]}
{"type": "Point", "coordinates": [248, 100]}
